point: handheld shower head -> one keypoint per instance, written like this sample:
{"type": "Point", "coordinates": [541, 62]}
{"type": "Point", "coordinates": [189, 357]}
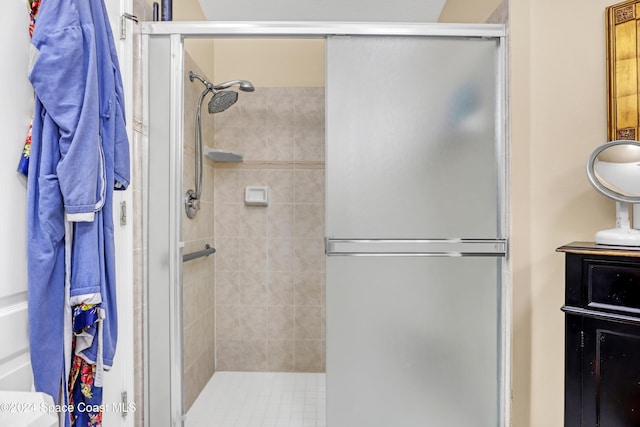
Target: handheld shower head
{"type": "Point", "coordinates": [245, 85]}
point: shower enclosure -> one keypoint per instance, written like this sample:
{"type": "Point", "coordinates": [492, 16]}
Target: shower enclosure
{"type": "Point", "coordinates": [163, 114]}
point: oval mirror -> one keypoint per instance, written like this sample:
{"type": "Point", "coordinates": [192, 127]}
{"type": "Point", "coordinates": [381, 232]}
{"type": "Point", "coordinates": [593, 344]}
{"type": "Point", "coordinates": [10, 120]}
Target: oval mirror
{"type": "Point", "coordinates": [614, 170]}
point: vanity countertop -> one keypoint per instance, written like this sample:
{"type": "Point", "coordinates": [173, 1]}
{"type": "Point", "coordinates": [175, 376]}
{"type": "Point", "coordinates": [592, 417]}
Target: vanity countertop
{"type": "Point", "coordinates": [592, 248]}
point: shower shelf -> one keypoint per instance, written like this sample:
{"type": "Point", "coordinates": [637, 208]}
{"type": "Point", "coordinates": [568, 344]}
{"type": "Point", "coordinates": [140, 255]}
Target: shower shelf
{"type": "Point", "coordinates": [220, 155]}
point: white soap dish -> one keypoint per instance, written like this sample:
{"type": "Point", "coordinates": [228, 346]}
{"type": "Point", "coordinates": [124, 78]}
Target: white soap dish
{"type": "Point", "coordinates": [256, 196]}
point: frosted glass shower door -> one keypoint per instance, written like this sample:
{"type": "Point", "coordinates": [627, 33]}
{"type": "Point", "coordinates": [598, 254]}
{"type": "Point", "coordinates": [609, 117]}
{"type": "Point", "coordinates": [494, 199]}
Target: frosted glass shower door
{"type": "Point", "coordinates": [412, 342]}
{"type": "Point", "coordinates": [415, 232]}
{"type": "Point", "coordinates": [411, 137]}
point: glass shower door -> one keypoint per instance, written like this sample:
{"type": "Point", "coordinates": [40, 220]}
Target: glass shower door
{"type": "Point", "coordinates": [412, 341]}
{"type": "Point", "coordinates": [415, 232]}
{"type": "Point", "coordinates": [350, 304]}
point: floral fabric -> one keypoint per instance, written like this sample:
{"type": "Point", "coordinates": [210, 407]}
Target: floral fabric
{"type": "Point", "coordinates": [34, 6]}
{"type": "Point", "coordinates": [23, 164]}
{"type": "Point", "coordinates": [84, 396]}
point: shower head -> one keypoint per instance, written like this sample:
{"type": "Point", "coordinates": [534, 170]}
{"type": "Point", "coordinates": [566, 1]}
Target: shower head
{"type": "Point", "coordinates": [222, 100]}
{"type": "Point", "coordinates": [245, 85]}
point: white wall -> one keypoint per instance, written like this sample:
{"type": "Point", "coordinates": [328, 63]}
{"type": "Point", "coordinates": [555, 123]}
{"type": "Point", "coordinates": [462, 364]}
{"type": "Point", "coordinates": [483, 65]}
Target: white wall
{"type": "Point", "coordinates": [15, 113]}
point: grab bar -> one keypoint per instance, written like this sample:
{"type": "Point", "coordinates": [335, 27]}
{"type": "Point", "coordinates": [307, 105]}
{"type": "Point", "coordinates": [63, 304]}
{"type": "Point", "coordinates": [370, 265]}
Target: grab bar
{"type": "Point", "coordinates": [208, 250]}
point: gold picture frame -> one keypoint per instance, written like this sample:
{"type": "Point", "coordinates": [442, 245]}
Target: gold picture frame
{"type": "Point", "coordinates": [623, 62]}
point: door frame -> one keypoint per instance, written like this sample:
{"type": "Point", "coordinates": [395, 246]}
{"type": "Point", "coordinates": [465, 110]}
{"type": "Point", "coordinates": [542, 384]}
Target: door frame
{"type": "Point", "coordinates": [163, 94]}
{"type": "Point", "coordinates": [119, 381]}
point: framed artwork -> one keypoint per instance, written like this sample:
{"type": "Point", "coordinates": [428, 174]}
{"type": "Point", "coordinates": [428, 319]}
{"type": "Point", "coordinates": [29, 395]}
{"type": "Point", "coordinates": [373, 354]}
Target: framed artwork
{"type": "Point", "coordinates": [623, 61]}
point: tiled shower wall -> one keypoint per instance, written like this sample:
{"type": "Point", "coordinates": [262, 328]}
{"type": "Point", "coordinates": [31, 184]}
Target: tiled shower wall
{"type": "Point", "coordinates": [270, 260]}
{"type": "Point", "coordinates": [198, 276]}
{"type": "Point", "coordinates": [500, 15]}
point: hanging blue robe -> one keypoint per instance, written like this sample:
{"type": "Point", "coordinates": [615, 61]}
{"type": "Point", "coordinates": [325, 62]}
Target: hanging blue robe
{"type": "Point", "coordinates": [79, 154]}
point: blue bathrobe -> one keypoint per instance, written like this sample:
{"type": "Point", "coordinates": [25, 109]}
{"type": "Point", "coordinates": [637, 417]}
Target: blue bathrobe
{"type": "Point", "coordinates": [79, 154]}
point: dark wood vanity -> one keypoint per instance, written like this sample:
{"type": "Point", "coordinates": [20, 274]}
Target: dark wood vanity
{"type": "Point", "coordinates": [602, 335]}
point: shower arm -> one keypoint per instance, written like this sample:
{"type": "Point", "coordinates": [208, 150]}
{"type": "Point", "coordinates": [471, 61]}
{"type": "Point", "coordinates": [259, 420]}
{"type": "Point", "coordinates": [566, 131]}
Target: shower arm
{"type": "Point", "coordinates": [208, 85]}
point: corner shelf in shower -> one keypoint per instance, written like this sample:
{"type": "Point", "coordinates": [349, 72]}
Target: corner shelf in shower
{"type": "Point", "coordinates": [221, 155]}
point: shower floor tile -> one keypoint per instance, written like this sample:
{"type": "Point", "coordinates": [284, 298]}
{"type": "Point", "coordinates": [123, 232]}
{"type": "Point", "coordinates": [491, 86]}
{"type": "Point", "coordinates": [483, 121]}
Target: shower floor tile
{"type": "Point", "coordinates": [261, 399]}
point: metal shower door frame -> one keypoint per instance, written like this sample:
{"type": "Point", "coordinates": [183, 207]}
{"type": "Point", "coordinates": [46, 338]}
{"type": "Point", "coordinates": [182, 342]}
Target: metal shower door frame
{"type": "Point", "coordinates": [163, 109]}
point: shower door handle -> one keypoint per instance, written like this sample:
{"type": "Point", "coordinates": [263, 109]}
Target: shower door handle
{"type": "Point", "coordinates": [416, 247]}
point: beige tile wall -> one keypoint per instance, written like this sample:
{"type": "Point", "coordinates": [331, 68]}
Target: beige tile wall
{"type": "Point", "coordinates": [198, 276]}
{"type": "Point", "coordinates": [500, 15]}
{"type": "Point", "coordinates": [270, 260]}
